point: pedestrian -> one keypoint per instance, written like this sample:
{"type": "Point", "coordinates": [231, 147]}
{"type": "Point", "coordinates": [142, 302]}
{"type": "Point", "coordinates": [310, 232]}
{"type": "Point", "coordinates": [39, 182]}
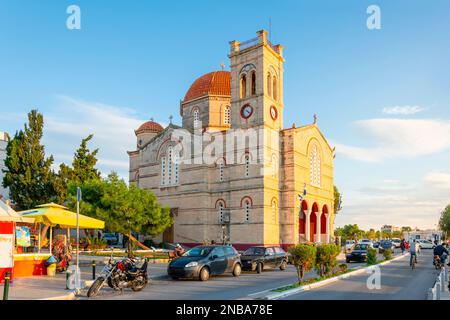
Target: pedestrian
{"type": "Point", "coordinates": [403, 246]}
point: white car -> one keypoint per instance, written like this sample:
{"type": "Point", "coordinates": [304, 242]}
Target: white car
{"type": "Point", "coordinates": [349, 244]}
{"type": "Point", "coordinates": [396, 242]}
{"type": "Point", "coordinates": [367, 242]}
{"type": "Point", "coordinates": [425, 244]}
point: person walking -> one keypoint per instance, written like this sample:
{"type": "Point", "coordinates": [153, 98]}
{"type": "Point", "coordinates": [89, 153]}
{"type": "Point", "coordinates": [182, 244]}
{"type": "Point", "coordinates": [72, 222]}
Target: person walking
{"type": "Point", "coordinates": [403, 246]}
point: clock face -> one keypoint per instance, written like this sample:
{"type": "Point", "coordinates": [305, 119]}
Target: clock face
{"type": "Point", "coordinates": [273, 113]}
{"type": "Point", "coordinates": [246, 111]}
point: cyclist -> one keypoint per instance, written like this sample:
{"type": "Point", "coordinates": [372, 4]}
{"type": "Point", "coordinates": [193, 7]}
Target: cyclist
{"type": "Point", "coordinates": [441, 251]}
{"type": "Point", "coordinates": [403, 246]}
{"type": "Point", "coordinates": [413, 251]}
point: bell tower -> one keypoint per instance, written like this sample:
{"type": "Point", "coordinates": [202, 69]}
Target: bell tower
{"type": "Point", "coordinates": [256, 83]}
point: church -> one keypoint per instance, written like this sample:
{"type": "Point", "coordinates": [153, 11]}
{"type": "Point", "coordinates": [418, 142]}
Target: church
{"type": "Point", "coordinates": [277, 190]}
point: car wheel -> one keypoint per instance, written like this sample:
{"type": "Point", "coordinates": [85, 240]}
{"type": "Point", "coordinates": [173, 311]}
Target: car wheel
{"type": "Point", "coordinates": [283, 265]}
{"type": "Point", "coordinates": [237, 270]}
{"type": "Point", "coordinates": [347, 260]}
{"type": "Point", "coordinates": [259, 267]}
{"type": "Point", "coordinates": [204, 274]}
{"type": "Point", "coordinates": [174, 278]}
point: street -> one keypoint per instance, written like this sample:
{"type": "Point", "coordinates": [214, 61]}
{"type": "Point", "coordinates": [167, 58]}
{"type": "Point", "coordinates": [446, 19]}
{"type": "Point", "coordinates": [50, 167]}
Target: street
{"type": "Point", "coordinates": [224, 287]}
{"type": "Point", "coordinates": [398, 281]}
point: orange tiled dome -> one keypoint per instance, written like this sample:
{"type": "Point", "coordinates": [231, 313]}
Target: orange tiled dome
{"type": "Point", "coordinates": [149, 126]}
{"type": "Point", "coordinates": [213, 83]}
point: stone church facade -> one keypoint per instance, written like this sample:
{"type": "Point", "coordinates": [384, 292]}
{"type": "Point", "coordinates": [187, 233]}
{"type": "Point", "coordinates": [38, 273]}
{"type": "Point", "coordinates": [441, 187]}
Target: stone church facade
{"type": "Point", "coordinates": [279, 191]}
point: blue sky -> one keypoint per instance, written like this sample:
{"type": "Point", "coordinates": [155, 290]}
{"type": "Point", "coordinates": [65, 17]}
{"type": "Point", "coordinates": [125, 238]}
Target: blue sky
{"type": "Point", "coordinates": [133, 60]}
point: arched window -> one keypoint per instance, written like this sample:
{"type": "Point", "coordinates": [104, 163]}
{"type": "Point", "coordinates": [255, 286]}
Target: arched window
{"type": "Point", "coordinates": [314, 166]}
{"type": "Point", "coordinates": [221, 208]}
{"type": "Point", "coordinates": [274, 211]}
{"type": "Point", "coordinates": [221, 165]}
{"type": "Point", "coordinates": [269, 85]}
{"type": "Point", "coordinates": [253, 83]}
{"type": "Point", "coordinates": [196, 116]}
{"type": "Point", "coordinates": [247, 166]}
{"type": "Point", "coordinates": [163, 171]}
{"type": "Point", "coordinates": [247, 208]}
{"type": "Point", "coordinates": [243, 86]}
{"type": "Point", "coordinates": [170, 168]}
{"type": "Point", "coordinates": [227, 115]}
{"type": "Point", "coordinates": [275, 91]}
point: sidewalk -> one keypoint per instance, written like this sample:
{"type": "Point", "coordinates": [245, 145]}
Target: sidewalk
{"type": "Point", "coordinates": [43, 287]}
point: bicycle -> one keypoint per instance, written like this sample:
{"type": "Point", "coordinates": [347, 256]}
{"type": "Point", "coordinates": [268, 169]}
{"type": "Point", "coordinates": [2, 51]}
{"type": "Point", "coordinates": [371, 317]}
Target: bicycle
{"type": "Point", "coordinates": [413, 261]}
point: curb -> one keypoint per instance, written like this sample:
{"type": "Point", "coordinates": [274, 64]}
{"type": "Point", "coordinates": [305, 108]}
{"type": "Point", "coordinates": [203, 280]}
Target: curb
{"type": "Point", "coordinates": [278, 295]}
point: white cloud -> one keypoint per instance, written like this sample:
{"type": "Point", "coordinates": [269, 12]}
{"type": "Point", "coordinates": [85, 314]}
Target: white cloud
{"type": "Point", "coordinates": [416, 205]}
{"type": "Point", "coordinates": [398, 138]}
{"type": "Point", "coordinates": [402, 110]}
{"type": "Point", "coordinates": [113, 128]}
{"type": "Point", "coordinates": [439, 180]}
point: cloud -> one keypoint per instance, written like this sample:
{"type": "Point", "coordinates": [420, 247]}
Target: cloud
{"type": "Point", "coordinates": [402, 110]}
{"type": "Point", "coordinates": [439, 180]}
{"type": "Point", "coordinates": [112, 126]}
{"type": "Point", "coordinates": [398, 138]}
{"type": "Point", "coordinates": [414, 205]}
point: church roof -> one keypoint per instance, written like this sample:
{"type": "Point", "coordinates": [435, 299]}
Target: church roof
{"type": "Point", "coordinates": [213, 83]}
{"type": "Point", "coordinates": [149, 126]}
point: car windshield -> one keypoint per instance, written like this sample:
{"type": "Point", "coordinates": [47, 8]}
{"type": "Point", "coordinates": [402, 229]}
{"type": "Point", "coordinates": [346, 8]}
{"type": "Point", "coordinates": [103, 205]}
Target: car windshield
{"type": "Point", "coordinates": [198, 252]}
{"type": "Point", "coordinates": [361, 247]}
{"type": "Point", "coordinates": [255, 251]}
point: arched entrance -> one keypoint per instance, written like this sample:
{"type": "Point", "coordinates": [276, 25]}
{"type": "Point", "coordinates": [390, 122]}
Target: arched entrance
{"type": "Point", "coordinates": [302, 221]}
{"type": "Point", "coordinates": [313, 222]}
{"type": "Point", "coordinates": [323, 224]}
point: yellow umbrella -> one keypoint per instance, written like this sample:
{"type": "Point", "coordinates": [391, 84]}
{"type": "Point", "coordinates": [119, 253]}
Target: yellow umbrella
{"type": "Point", "coordinates": [53, 214]}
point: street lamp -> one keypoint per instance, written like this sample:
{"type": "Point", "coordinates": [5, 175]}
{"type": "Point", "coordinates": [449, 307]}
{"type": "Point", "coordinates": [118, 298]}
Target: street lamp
{"type": "Point", "coordinates": [301, 197]}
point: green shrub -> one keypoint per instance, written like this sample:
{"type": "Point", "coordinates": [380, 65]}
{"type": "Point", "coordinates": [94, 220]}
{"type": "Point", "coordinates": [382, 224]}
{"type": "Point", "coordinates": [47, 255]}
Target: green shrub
{"type": "Point", "coordinates": [387, 254]}
{"type": "Point", "coordinates": [303, 257]}
{"type": "Point", "coordinates": [342, 268]}
{"type": "Point", "coordinates": [371, 256]}
{"type": "Point", "coordinates": [326, 258]}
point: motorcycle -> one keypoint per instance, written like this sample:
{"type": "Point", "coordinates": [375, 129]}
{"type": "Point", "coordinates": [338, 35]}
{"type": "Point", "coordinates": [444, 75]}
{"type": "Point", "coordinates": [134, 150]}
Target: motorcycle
{"type": "Point", "coordinates": [121, 274]}
{"type": "Point", "coordinates": [438, 262]}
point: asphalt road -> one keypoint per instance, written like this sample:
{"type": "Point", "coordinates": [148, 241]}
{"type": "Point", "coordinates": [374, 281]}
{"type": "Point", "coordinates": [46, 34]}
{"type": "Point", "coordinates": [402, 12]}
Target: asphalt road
{"type": "Point", "coordinates": [225, 287]}
{"type": "Point", "coordinates": [398, 281]}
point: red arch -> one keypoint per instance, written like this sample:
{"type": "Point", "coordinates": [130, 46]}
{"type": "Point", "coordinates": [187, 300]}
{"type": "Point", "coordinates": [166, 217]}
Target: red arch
{"type": "Point", "coordinates": [246, 197]}
{"type": "Point", "coordinates": [313, 220]}
{"type": "Point", "coordinates": [323, 220]}
{"type": "Point", "coordinates": [220, 200]}
{"type": "Point", "coordinates": [302, 218]}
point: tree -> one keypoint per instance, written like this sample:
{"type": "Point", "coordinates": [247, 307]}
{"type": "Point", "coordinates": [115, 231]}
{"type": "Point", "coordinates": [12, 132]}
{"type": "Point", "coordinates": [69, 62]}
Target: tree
{"type": "Point", "coordinates": [84, 162]}
{"type": "Point", "coordinates": [349, 231]}
{"type": "Point", "coordinates": [83, 169]}
{"type": "Point", "coordinates": [371, 234]}
{"type": "Point", "coordinates": [123, 208]}
{"type": "Point", "coordinates": [303, 258]}
{"type": "Point", "coordinates": [337, 200]}
{"type": "Point", "coordinates": [444, 221]}
{"type": "Point", "coordinates": [28, 173]}
{"type": "Point", "coordinates": [326, 258]}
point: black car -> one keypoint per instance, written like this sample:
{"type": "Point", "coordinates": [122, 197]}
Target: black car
{"type": "Point", "coordinates": [260, 258]}
{"type": "Point", "coordinates": [202, 261]}
{"type": "Point", "coordinates": [359, 253]}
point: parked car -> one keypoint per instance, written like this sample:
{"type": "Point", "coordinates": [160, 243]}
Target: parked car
{"type": "Point", "coordinates": [396, 242]}
{"type": "Point", "coordinates": [111, 238]}
{"type": "Point", "coordinates": [172, 246]}
{"type": "Point", "coordinates": [367, 242]}
{"type": "Point", "coordinates": [386, 244]}
{"type": "Point", "coordinates": [203, 261]}
{"type": "Point", "coordinates": [376, 244]}
{"type": "Point", "coordinates": [425, 244]}
{"type": "Point", "coordinates": [260, 258]}
{"type": "Point", "coordinates": [358, 254]}
{"type": "Point", "coordinates": [349, 245]}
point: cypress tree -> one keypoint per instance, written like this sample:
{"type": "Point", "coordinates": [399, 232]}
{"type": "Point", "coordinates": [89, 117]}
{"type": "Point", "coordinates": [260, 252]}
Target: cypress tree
{"type": "Point", "coordinates": [28, 173]}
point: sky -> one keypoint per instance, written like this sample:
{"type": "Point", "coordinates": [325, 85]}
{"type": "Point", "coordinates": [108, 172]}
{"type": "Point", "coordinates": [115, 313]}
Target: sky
{"type": "Point", "coordinates": [382, 96]}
